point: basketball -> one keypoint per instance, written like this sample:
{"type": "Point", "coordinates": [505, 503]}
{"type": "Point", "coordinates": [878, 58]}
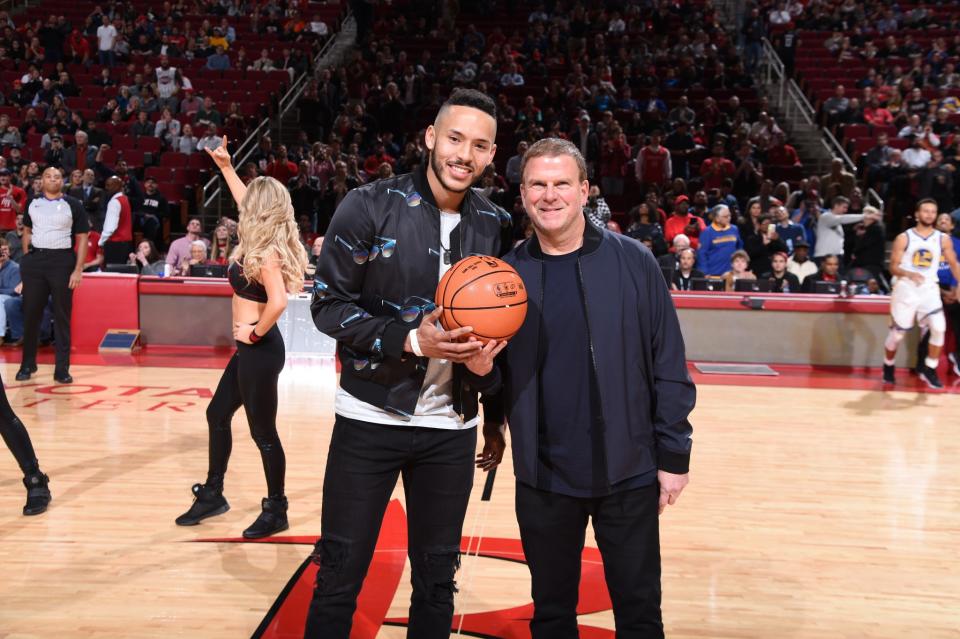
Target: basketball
{"type": "Point", "coordinates": [485, 293]}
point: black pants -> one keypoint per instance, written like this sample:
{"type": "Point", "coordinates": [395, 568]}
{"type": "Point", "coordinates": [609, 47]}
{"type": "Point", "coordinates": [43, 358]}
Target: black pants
{"type": "Point", "coordinates": [46, 274]}
{"type": "Point", "coordinates": [362, 469]}
{"type": "Point", "coordinates": [117, 252]}
{"type": "Point", "coordinates": [249, 380]}
{"type": "Point", "coordinates": [16, 437]}
{"type": "Point", "coordinates": [552, 530]}
{"type": "Point", "coordinates": [952, 313]}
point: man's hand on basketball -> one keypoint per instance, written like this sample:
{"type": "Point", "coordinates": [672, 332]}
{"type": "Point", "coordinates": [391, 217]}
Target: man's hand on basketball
{"type": "Point", "coordinates": [493, 446]}
{"type": "Point", "coordinates": [671, 485]}
{"type": "Point", "coordinates": [481, 363]}
{"type": "Point", "coordinates": [437, 343]}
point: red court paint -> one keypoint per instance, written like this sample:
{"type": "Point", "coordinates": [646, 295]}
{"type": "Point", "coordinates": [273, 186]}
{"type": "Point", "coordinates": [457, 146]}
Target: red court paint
{"type": "Point", "coordinates": [287, 617]}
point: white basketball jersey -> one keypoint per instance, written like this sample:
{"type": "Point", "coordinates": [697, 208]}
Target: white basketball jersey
{"type": "Point", "coordinates": [922, 255]}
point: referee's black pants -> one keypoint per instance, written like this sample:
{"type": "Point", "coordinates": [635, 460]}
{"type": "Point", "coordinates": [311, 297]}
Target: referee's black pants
{"type": "Point", "coordinates": [364, 462]}
{"type": "Point", "coordinates": [46, 273]}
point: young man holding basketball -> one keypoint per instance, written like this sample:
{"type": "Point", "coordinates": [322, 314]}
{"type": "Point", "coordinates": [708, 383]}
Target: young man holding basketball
{"type": "Point", "coordinates": [597, 396]}
{"type": "Point", "coordinates": [407, 403]}
{"type": "Point", "coordinates": [914, 261]}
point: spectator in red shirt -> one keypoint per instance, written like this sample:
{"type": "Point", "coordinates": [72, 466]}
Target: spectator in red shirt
{"type": "Point", "coordinates": [78, 47]}
{"type": "Point", "coordinates": [282, 169]}
{"type": "Point", "coordinates": [716, 168]}
{"type": "Point", "coordinates": [781, 153]}
{"type": "Point", "coordinates": [614, 157]}
{"type": "Point", "coordinates": [653, 162]}
{"type": "Point", "coordinates": [682, 221]}
{"type": "Point", "coordinates": [12, 201]}
{"type": "Point", "coordinates": [373, 162]}
{"type": "Point", "coordinates": [876, 114]}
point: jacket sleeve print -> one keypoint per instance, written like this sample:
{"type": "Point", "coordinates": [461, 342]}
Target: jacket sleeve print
{"type": "Point", "coordinates": [338, 283]}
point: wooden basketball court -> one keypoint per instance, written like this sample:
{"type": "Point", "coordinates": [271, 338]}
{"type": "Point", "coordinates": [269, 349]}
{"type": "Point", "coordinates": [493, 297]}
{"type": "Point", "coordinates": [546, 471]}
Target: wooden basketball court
{"type": "Point", "coordinates": [813, 512]}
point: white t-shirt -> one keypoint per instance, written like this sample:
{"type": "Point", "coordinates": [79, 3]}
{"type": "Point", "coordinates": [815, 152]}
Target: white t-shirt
{"type": "Point", "coordinates": [435, 406]}
{"type": "Point", "coordinates": [106, 36]}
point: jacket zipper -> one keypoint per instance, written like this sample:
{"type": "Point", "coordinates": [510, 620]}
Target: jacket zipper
{"type": "Point", "coordinates": [596, 375]}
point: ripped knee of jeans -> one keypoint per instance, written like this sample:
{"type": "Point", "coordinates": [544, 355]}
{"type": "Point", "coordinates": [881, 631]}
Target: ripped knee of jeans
{"type": "Point", "coordinates": [438, 567]}
{"type": "Point", "coordinates": [329, 554]}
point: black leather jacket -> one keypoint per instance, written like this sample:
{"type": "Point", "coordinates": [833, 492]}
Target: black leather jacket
{"type": "Point", "coordinates": [382, 252]}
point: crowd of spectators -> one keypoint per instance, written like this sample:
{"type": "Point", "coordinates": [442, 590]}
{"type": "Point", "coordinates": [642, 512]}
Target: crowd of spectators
{"type": "Point", "coordinates": [667, 142]}
{"type": "Point", "coordinates": [144, 91]}
{"type": "Point", "coordinates": [896, 103]}
{"type": "Point", "coordinates": [681, 149]}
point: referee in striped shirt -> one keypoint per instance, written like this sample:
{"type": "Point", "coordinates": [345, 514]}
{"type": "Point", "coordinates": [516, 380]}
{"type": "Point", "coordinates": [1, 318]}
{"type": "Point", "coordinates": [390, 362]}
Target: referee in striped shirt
{"type": "Point", "coordinates": [50, 267]}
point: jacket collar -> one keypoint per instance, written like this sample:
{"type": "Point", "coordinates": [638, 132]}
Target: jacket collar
{"type": "Point", "coordinates": [422, 186]}
{"type": "Point", "coordinates": [592, 237]}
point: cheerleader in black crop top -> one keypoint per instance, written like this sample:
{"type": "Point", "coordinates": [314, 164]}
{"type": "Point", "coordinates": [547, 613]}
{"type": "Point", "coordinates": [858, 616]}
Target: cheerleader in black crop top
{"type": "Point", "coordinates": [268, 263]}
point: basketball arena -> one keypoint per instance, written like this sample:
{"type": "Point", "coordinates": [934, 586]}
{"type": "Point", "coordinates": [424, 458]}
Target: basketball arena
{"type": "Point", "coordinates": [545, 319]}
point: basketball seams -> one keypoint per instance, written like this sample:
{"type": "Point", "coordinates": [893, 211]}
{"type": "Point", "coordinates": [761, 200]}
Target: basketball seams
{"type": "Point", "coordinates": [462, 269]}
{"type": "Point", "coordinates": [479, 277]}
{"type": "Point", "coordinates": [486, 308]}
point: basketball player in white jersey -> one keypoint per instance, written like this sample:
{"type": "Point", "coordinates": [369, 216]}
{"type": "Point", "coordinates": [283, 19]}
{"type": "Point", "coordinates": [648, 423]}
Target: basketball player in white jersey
{"type": "Point", "coordinates": [914, 261]}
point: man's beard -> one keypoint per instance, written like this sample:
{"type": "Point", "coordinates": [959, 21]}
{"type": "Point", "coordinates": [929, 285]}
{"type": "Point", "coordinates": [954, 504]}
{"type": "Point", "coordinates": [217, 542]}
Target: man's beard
{"type": "Point", "coordinates": [437, 168]}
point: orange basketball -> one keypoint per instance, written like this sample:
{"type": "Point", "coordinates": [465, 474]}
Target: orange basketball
{"type": "Point", "coordinates": [485, 293]}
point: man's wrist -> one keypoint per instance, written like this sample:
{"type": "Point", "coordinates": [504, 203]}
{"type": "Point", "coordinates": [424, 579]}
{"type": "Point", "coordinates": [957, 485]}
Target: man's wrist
{"type": "Point", "coordinates": [492, 427]}
{"type": "Point", "coordinates": [414, 343]}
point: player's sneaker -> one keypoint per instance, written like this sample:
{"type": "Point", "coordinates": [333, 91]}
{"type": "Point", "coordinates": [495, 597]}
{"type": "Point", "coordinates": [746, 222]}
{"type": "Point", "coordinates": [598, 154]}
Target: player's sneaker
{"type": "Point", "coordinates": [889, 377]}
{"type": "Point", "coordinates": [929, 377]}
{"type": "Point", "coordinates": [954, 364]}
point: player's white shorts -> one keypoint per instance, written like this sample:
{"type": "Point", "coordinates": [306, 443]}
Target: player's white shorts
{"type": "Point", "coordinates": [911, 303]}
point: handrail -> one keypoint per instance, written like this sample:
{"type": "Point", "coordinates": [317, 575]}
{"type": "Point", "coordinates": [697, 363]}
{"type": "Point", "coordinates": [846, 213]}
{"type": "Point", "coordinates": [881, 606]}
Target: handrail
{"type": "Point", "coordinates": [793, 100]}
{"type": "Point", "coordinates": [211, 190]}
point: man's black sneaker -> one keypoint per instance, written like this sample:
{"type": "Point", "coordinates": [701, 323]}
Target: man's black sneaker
{"type": "Point", "coordinates": [889, 375]}
{"type": "Point", "coordinates": [272, 519]}
{"type": "Point", "coordinates": [62, 378]}
{"type": "Point", "coordinates": [208, 502]}
{"type": "Point", "coordinates": [38, 494]}
{"type": "Point", "coordinates": [929, 377]}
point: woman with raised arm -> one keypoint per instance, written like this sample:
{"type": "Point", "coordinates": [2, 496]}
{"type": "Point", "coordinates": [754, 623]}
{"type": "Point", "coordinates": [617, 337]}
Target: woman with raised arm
{"type": "Point", "coordinates": [268, 263]}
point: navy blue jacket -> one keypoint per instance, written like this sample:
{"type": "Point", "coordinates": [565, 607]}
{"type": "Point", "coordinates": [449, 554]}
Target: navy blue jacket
{"type": "Point", "coordinates": [638, 356]}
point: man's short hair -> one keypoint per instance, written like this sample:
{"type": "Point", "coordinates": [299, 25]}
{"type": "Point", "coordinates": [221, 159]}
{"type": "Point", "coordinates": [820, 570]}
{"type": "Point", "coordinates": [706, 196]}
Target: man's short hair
{"type": "Point", "coordinates": [839, 200]}
{"type": "Point", "coordinates": [473, 99]}
{"type": "Point", "coordinates": [555, 147]}
{"type": "Point", "coordinates": [926, 200]}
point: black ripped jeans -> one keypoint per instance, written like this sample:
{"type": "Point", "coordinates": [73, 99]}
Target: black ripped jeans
{"type": "Point", "coordinates": [362, 469]}
{"type": "Point", "coordinates": [250, 380]}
